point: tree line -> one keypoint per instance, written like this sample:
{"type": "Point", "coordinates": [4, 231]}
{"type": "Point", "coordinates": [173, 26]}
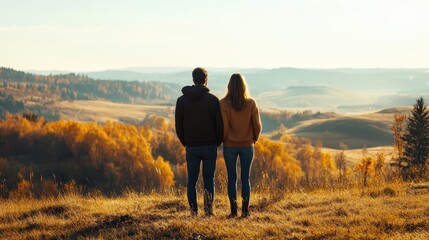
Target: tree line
{"type": "Point", "coordinates": [113, 157]}
{"type": "Point", "coordinates": [46, 88]}
{"type": "Point", "coordinates": [40, 158]}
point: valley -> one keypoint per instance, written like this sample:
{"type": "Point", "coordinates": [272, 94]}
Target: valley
{"type": "Point", "coordinates": [354, 107]}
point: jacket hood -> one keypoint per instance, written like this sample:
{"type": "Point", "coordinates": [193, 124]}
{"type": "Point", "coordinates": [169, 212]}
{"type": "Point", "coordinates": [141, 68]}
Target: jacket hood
{"type": "Point", "coordinates": [194, 92]}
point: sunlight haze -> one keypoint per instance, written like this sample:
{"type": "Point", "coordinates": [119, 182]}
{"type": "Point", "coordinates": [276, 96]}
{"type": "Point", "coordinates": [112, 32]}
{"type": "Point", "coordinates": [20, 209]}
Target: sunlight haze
{"type": "Point", "coordinates": [97, 35]}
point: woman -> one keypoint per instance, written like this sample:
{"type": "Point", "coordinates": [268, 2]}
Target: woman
{"type": "Point", "coordinates": [242, 126]}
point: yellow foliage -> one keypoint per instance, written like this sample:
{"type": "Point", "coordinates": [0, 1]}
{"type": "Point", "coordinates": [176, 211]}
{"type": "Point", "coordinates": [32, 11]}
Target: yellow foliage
{"type": "Point", "coordinates": [113, 155]}
{"type": "Point", "coordinates": [165, 175]}
{"type": "Point", "coordinates": [273, 160]}
{"type": "Point", "coordinates": [366, 167]}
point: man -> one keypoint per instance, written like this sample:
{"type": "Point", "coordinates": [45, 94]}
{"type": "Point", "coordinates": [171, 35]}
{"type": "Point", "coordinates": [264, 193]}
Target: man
{"type": "Point", "coordinates": [199, 127]}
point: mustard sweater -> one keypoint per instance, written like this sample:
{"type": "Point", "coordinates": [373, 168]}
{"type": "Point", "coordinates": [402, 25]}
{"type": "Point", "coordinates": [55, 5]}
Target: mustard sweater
{"type": "Point", "coordinates": [240, 128]}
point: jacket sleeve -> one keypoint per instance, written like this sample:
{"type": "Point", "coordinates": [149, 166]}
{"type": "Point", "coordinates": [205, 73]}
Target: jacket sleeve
{"type": "Point", "coordinates": [218, 124]}
{"type": "Point", "coordinates": [178, 116]}
{"type": "Point", "coordinates": [256, 122]}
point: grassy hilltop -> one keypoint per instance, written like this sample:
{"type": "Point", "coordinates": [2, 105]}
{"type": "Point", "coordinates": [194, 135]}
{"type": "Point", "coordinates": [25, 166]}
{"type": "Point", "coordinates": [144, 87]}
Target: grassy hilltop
{"type": "Point", "coordinates": [394, 212]}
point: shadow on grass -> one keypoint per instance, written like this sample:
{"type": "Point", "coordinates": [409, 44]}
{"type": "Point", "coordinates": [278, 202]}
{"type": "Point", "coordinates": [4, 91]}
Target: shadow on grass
{"type": "Point", "coordinates": [30, 227]}
{"type": "Point", "coordinates": [172, 206]}
{"type": "Point", "coordinates": [109, 222]}
{"type": "Point", "coordinates": [177, 231]}
{"type": "Point", "coordinates": [122, 225]}
{"type": "Point", "coordinates": [58, 211]}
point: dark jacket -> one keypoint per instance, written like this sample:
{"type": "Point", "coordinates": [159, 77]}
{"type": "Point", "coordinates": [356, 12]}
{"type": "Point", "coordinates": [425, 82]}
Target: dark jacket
{"type": "Point", "coordinates": [198, 118]}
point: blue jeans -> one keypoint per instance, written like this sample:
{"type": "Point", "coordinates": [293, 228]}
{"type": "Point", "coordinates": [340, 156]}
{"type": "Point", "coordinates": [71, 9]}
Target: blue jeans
{"type": "Point", "coordinates": [194, 156]}
{"type": "Point", "coordinates": [246, 157]}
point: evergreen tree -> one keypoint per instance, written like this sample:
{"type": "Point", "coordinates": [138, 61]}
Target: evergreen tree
{"type": "Point", "coordinates": [416, 142]}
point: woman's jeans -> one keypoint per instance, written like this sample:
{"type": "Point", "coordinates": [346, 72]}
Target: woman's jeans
{"type": "Point", "coordinates": [246, 157]}
{"type": "Point", "coordinates": [194, 156]}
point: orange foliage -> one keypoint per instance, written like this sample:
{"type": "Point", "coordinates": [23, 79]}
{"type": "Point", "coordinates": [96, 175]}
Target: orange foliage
{"type": "Point", "coordinates": [23, 190]}
{"type": "Point", "coordinates": [110, 156]}
{"type": "Point", "coordinates": [114, 156]}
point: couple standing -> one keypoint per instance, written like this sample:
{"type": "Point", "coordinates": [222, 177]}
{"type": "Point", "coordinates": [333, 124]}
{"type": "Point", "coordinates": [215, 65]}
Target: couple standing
{"type": "Point", "coordinates": [203, 123]}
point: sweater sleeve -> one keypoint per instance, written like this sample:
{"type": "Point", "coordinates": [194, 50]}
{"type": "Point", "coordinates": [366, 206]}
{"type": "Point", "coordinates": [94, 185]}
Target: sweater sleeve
{"type": "Point", "coordinates": [256, 122]}
{"type": "Point", "coordinates": [178, 116]}
{"type": "Point", "coordinates": [218, 124]}
{"type": "Point", "coordinates": [225, 120]}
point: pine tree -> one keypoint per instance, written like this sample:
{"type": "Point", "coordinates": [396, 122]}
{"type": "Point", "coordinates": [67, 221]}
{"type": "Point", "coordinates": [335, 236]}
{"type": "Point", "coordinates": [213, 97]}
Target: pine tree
{"type": "Point", "coordinates": [416, 142]}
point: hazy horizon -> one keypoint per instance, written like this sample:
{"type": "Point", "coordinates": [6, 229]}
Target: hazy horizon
{"type": "Point", "coordinates": [177, 69]}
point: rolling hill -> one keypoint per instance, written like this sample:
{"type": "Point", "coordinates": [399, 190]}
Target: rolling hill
{"type": "Point", "coordinates": [351, 90]}
{"type": "Point", "coordinates": [312, 97]}
{"type": "Point", "coordinates": [356, 131]}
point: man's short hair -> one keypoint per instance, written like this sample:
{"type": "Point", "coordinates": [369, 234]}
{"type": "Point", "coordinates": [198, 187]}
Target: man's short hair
{"type": "Point", "coordinates": [199, 75]}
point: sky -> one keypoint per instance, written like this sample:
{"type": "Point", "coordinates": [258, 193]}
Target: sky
{"type": "Point", "coordinates": [93, 35]}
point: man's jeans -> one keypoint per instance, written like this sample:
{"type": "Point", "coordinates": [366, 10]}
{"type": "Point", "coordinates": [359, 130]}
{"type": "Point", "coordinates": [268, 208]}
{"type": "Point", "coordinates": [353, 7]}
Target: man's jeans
{"type": "Point", "coordinates": [194, 155]}
{"type": "Point", "coordinates": [246, 157]}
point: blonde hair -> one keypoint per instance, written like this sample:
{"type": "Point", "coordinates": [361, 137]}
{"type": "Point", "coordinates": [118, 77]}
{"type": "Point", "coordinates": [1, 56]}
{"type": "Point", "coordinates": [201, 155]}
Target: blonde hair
{"type": "Point", "coordinates": [237, 93]}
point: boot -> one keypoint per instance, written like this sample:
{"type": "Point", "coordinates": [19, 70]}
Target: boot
{"type": "Point", "coordinates": [234, 209]}
{"type": "Point", "coordinates": [208, 204]}
{"type": "Point", "coordinates": [245, 209]}
{"type": "Point", "coordinates": [194, 213]}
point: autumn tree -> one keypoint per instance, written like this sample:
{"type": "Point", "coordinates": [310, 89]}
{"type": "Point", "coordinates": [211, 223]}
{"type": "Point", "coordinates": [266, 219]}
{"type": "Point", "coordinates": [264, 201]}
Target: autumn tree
{"type": "Point", "coordinates": [397, 129]}
{"type": "Point", "coordinates": [366, 168]}
{"type": "Point", "coordinates": [324, 166]}
{"type": "Point", "coordinates": [306, 159]}
{"type": "Point", "coordinates": [109, 157]}
{"type": "Point", "coordinates": [416, 142]}
{"type": "Point", "coordinates": [340, 161]}
{"type": "Point", "coordinates": [380, 164]}
{"type": "Point", "coordinates": [317, 166]}
{"type": "Point", "coordinates": [274, 163]}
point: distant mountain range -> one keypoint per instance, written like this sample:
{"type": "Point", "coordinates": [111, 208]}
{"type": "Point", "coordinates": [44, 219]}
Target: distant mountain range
{"type": "Point", "coordinates": [341, 90]}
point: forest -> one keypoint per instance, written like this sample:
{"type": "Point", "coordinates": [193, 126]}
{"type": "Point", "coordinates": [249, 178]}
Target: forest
{"type": "Point", "coordinates": [42, 158]}
{"type": "Point", "coordinates": [9, 104]}
{"type": "Point", "coordinates": [47, 88]}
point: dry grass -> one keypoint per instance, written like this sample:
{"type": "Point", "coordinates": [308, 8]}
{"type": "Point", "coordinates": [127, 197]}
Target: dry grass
{"type": "Point", "coordinates": [355, 155]}
{"type": "Point", "coordinates": [395, 212]}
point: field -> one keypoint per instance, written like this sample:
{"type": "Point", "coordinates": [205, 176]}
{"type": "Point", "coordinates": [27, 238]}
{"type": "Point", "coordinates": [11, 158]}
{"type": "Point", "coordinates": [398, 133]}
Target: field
{"type": "Point", "coordinates": [391, 212]}
{"type": "Point", "coordinates": [355, 155]}
{"type": "Point", "coordinates": [101, 111]}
